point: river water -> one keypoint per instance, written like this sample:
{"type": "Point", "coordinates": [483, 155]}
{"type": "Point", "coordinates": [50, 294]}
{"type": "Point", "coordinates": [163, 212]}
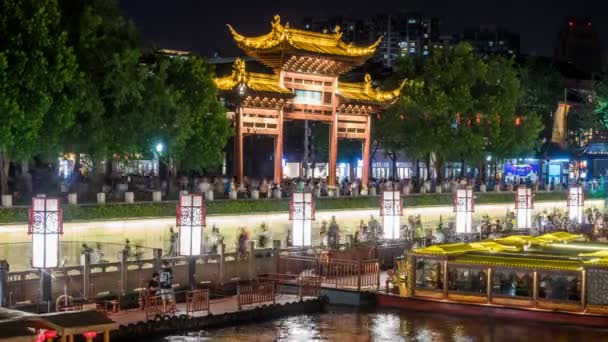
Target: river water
{"type": "Point", "coordinates": [351, 325]}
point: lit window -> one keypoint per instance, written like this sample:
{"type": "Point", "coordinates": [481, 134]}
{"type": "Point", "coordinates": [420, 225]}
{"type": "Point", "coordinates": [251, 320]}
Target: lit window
{"type": "Point", "coordinates": [491, 43]}
{"type": "Point", "coordinates": [411, 21]}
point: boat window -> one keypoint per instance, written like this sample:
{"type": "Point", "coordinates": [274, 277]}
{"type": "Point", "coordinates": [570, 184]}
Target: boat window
{"type": "Point", "coordinates": [428, 274]}
{"type": "Point", "coordinates": [559, 287]}
{"type": "Point", "coordinates": [470, 280]}
{"type": "Point", "coordinates": [512, 283]}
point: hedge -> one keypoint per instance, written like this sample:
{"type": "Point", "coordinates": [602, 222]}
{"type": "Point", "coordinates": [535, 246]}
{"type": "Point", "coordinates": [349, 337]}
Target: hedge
{"type": "Point", "coordinates": [90, 212]}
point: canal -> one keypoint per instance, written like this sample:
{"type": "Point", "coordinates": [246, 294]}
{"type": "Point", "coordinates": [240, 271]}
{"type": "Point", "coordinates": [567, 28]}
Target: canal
{"type": "Point", "coordinates": [352, 325]}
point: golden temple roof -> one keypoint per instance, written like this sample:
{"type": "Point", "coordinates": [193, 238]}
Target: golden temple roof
{"type": "Point", "coordinates": [271, 47]}
{"type": "Point", "coordinates": [365, 92]}
{"type": "Point", "coordinates": [519, 262]}
{"type": "Point", "coordinates": [523, 240]}
{"type": "Point", "coordinates": [254, 81]}
{"type": "Point", "coordinates": [509, 252]}
{"type": "Point", "coordinates": [461, 248]}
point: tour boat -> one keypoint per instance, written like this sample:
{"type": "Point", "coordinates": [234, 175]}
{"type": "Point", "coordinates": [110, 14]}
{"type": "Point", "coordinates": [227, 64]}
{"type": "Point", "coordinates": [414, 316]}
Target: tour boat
{"type": "Point", "coordinates": [557, 277]}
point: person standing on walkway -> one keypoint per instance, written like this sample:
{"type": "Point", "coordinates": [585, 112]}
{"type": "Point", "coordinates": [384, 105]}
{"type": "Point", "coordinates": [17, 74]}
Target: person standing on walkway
{"type": "Point", "coordinates": [166, 288]}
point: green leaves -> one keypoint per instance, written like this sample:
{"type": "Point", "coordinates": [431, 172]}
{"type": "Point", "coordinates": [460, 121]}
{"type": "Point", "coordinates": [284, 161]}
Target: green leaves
{"type": "Point", "coordinates": [185, 113]}
{"type": "Point", "coordinates": [38, 73]}
{"type": "Point", "coordinates": [464, 107]}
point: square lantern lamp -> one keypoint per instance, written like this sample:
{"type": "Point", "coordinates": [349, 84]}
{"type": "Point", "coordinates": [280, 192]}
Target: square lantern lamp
{"type": "Point", "coordinates": [524, 203]}
{"type": "Point", "coordinates": [45, 226]}
{"type": "Point", "coordinates": [391, 210]}
{"type": "Point", "coordinates": [191, 215]}
{"type": "Point", "coordinates": [576, 203]}
{"type": "Point", "coordinates": [464, 205]}
{"type": "Point", "coordinates": [301, 213]}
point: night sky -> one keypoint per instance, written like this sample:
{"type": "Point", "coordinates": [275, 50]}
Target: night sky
{"type": "Point", "coordinates": [200, 25]}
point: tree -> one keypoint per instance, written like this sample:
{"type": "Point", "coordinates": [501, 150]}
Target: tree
{"type": "Point", "coordinates": [184, 113]}
{"type": "Point", "coordinates": [465, 108]}
{"type": "Point", "coordinates": [38, 74]}
{"type": "Point", "coordinates": [541, 87]}
{"type": "Point", "coordinates": [445, 106]}
{"type": "Point", "coordinates": [600, 102]}
{"type": "Point", "coordinates": [108, 55]}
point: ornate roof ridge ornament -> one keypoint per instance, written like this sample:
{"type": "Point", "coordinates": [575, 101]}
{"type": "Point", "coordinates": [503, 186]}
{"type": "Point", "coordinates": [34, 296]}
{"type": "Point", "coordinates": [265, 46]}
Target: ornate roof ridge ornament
{"type": "Point", "coordinates": [321, 43]}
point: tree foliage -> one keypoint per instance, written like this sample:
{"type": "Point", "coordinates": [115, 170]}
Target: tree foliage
{"type": "Point", "coordinates": [185, 114]}
{"type": "Point", "coordinates": [463, 108]}
{"type": "Point", "coordinates": [108, 55]}
{"type": "Point", "coordinates": [37, 76]}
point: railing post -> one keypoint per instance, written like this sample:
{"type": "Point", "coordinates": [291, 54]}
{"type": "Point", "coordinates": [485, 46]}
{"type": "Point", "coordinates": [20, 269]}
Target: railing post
{"type": "Point", "coordinates": [377, 276]}
{"type": "Point", "coordinates": [157, 254]}
{"type": "Point", "coordinates": [4, 267]}
{"type": "Point", "coordinates": [123, 273]}
{"type": "Point", "coordinates": [535, 287]}
{"type": "Point", "coordinates": [221, 248]}
{"type": "Point", "coordinates": [191, 272]}
{"type": "Point", "coordinates": [359, 275]}
{"type": "Point", "coordinates": [238, 296]}
{"type": "Point", "coordinates": [276, 252]}
{"type": "Point", "coordinates": [86, 274]}
{"type": "Point", "coordinates": [251, 260]}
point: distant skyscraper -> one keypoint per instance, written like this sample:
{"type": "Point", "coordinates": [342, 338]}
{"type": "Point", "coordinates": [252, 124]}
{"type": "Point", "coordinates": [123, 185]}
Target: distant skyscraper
{"type": "Point", "coordinates": [579, 44]}
{"type": "Point", "coordinates": [406, 33]}
{"type": "Point", "coordinates": [491, 40]}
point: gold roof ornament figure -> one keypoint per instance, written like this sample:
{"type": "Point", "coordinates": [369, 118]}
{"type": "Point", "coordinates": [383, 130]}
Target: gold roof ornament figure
{"type": "Point", "coordinates": [253, 81]}
{"type": "Point", "coordinates": [282, 42]}
{"type": "Point", "coordinates": [365, 92]}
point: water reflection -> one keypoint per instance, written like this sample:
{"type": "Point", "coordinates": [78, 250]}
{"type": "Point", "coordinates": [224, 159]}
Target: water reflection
{"type": "Point", "coordinates": [344, 324]}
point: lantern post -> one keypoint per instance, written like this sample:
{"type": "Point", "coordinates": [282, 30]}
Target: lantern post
{"type": "Point", "coordinates": [45, 224]}
{"type": "Point", "coordinates": [524, 203]}
{"type": "Point", "coordinates": [464, 206]}
{"type": "Point", "coordinates": [391, 210]}
{"type": "Point", "coordinates": [191, 215]}
{"type": "Point", "coordinates": [576, 203]}
{"type": "Point", "coordinates": [301, 214]}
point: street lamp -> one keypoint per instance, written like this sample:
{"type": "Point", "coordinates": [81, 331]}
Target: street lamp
{"type": "Point", "coordinates": [191, 213]}
{"type": "Point", "coordinates": [301, 213]}
{"type": "Point", "coordinates": [576, 203]}
{"type": "Point", "coordinates": [159, 147]}
{"type": "Point", "coordinates": [464, 204]}
{"type": "Point", "coordinates": [524, 203]}
{"type": "Point", "coordinates": [391, 210]}
{"type": "Point", "coordinates": [45, 224]}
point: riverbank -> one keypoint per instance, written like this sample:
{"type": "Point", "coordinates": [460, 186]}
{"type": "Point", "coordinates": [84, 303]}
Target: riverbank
{"type": "Point", "coordinates": [112, 211]}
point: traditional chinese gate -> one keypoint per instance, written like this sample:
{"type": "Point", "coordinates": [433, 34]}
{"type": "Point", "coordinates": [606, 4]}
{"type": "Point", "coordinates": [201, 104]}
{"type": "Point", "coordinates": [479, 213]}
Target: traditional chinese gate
{"type": "Point", "coordinates": [305, 86]}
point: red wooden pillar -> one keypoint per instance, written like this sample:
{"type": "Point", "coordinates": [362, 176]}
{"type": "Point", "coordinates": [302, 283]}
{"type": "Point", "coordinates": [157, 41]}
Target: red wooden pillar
{"type": "Point", "coordinates": [278, 151]}
{"type": "Point", "coordinates": [238, 146]}
{"type": "Point", "coordinates": [366, 156]}
{"type": "Point", "coordinates": [333, 150]}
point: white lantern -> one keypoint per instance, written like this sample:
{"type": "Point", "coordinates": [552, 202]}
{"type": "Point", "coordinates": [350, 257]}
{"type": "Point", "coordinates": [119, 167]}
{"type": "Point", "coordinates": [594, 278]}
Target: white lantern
{"type": "Point", "coordinates": [301, 213]}
{"type": "Point", "coordinates": [391, 209]}
{"type": "Point", "coordinates": [576, 203]}
{"type": "Point", "coordinates": [524, 203]}
{"type": "Point", "coordinates": [45, 226]}
{"type": "Point", "coordinates": [191, 213]}
{"type": "Point", "coordinates": [464, 206]}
